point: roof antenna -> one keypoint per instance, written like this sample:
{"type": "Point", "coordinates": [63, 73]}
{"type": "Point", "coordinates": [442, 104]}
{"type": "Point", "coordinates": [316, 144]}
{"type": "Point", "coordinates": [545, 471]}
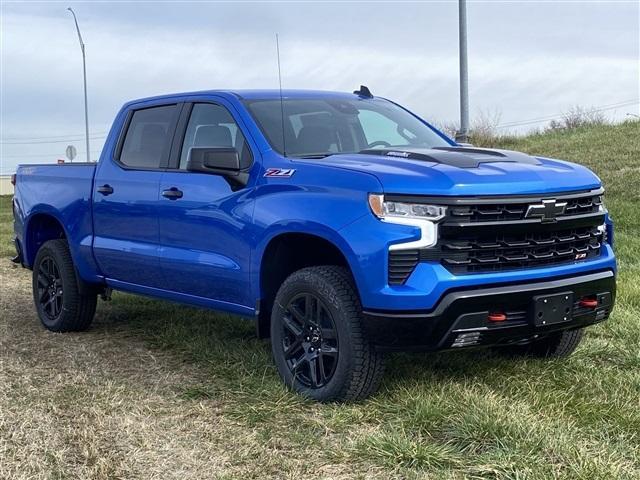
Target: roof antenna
{"type": "Point", "coordinates": [363, 92]}
{"type": "Point", "coordinates": [284, 145]}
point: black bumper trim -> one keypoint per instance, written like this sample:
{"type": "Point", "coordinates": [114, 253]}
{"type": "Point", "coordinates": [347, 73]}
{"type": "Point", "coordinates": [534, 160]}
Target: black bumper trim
{"type": "Point", "coordinates": [467, 310]}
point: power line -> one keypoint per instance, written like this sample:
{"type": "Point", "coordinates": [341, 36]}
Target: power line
{"type": "Point", "coordinates": [69, 135]}
{"type": "Point", "coordinates": [601, 108]}
{"type": "Point", "coordinates": [66, 140]}
{"type": "Point", "coordinates": [42, 155]}
{"type": "Point", "coordinates": [557, 115]}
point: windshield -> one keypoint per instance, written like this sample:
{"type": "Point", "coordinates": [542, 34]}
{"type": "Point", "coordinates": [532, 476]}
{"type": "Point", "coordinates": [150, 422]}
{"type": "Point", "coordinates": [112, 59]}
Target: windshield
{"type": "Point", "coordinates": [321, 127]}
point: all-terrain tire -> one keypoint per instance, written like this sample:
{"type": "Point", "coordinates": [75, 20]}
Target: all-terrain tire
{"type": "Point", "coordinates": [358, 370]}
{"type": "Point", "coordinates": [557, 345]}
{"type": "Point", "coordinates": [73, 311]}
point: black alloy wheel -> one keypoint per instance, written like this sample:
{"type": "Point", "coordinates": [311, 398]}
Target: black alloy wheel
{"type": "Point", "coordinates": [309, 340]}
{"type": "Point", "coordinates": [61, 304]}
{"type": "Point", "coordinates": [50, 290]}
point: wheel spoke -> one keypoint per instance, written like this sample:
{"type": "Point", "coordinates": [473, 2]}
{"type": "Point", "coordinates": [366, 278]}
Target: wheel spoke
{"type": "Point", "coordinates": [323, 374]}
{"type": "Point", "coordinates": [313, 371]}
{"type": "Point", "coordinates": [329, 334]}
{"type": "Point", "coordinates": [297, 314]}
{"type": "Point", "coordinates": [56, 306]}
{"type": "Point", "coordinates": [318, 313]}
{"type": "Point", "coordinates": [329, 350]}
{"type": "Point", "coordinates": [42, 272]}
{"type": "Point", "coordinates": [291, 326]}
{"type": "Point", "coordinates": [293, 348]}
{"type": "Point", "coordinates": [43, 295]}
{"type": "Point", "coordinates": [296, 364]}
{"type": "Point", "coordinates": [308, 301]}
{"type": "Point", "coordinates": [49, 305]}
{"type": "Point", "coordinates": [312, 311]}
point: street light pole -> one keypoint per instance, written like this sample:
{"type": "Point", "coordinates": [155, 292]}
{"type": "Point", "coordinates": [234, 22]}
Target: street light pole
{"type": "Point", "coordinates": [463, 134]}
{"type": "Point", "coordinates": [84, 74]}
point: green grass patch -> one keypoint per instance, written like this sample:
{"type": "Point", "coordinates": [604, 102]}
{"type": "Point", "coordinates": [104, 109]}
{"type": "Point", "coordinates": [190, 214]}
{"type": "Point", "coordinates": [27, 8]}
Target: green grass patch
{"type": "Point", "coordinates": [447, 415]}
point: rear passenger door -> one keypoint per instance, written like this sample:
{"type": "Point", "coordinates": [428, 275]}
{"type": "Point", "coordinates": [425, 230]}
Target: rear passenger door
{"type": "Point", "coordinates": [126, 200]}
{"type": "Point", "coordinates": [205, 227]}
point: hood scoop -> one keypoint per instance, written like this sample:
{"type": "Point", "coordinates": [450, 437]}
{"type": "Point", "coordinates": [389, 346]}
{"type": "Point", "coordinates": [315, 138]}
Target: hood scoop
{"type": "Point", "coordinates": [461, 157]}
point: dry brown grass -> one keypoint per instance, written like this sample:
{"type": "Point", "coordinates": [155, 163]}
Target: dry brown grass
{"type": "Point", "coordinates": [101, 405]}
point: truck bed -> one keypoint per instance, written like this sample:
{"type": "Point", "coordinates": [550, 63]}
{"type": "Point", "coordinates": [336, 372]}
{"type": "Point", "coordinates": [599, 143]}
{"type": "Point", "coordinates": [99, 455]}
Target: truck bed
{"type": "Point", "coordinates": [63, 191]}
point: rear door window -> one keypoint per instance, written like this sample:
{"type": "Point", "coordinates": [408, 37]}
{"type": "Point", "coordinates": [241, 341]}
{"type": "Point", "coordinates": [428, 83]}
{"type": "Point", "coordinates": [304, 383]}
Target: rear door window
{"type": "Point", "coordinates": [148, 139]}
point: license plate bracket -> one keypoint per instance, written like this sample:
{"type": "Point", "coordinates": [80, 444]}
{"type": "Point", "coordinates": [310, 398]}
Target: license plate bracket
{"type": "Point", "coordinates": [552, 309]}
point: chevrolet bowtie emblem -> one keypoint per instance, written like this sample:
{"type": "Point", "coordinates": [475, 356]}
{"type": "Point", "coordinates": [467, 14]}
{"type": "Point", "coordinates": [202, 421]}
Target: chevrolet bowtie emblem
{"type": "Point", "coordinates": [547, 211]}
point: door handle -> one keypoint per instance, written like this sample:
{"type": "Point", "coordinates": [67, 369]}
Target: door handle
{"type": "Point", "coordinates": [105, 189]}
{"type": "Point", "coordinates": [172, 194]}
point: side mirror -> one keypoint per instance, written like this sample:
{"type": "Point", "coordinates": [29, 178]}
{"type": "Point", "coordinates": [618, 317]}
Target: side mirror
{"type": "Point", "coordinates": [217, 161]}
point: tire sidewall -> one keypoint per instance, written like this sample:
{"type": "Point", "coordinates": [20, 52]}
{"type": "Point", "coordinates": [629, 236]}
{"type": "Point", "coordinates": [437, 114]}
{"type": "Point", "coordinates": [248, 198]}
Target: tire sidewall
{"type": "Point", "coordinates": [306, 281]}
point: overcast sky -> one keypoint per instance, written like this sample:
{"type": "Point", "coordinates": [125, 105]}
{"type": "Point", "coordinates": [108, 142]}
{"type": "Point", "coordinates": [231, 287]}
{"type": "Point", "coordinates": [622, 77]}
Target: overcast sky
{"type": "Point", "coordinates": [527, 60]}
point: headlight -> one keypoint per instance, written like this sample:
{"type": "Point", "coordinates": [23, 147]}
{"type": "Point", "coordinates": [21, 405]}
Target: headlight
{"type": "Point", "coordinates": [417, 215]}
{"type": "Point", "coordinates": [384, 209]}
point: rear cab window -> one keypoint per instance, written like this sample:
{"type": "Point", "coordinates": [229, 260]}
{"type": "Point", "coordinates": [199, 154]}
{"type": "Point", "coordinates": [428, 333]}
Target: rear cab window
{"type": "Point", "coordinates": [148, 137]}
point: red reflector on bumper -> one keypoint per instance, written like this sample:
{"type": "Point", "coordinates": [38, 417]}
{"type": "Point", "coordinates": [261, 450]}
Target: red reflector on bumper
{"type": "Point", "coordinates": [497, 317]}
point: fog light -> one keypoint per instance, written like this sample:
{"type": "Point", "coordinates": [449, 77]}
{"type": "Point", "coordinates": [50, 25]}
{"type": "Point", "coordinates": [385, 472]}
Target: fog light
{"type": "Point", "coordinates": [466, 339]}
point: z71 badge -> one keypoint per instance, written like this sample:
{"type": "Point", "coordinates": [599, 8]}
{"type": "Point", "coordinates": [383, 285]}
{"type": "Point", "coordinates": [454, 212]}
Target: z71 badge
{"type": "Point", "coordinates": [279, 172]}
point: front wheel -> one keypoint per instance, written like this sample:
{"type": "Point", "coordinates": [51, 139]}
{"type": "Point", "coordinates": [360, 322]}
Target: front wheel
{"type": "Point", "coordinates": [319, 345]}
{"type": "Point", "coordinates": [59, 303]}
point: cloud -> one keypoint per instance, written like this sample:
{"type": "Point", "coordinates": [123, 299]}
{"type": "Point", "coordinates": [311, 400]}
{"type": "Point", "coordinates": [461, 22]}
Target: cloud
{"type": "Point", "coordinates": [138, 50]}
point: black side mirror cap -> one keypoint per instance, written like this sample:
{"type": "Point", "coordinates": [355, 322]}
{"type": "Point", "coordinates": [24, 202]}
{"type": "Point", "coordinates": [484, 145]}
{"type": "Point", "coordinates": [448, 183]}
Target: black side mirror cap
{"type": "Point", "coordinates": [224, 161]}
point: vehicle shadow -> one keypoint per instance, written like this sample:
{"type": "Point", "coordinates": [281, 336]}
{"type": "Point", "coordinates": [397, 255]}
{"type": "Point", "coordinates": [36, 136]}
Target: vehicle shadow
{"type": "Point", "coordinates": [225, 348]}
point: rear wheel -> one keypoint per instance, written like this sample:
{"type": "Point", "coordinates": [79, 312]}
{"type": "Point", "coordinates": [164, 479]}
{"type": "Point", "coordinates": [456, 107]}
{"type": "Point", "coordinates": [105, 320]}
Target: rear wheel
{"type": "Point", "coordinates": [317, 337]}
{"type": "Point", "coordinates": [557, 345]}
{"type": "Point", "coordinates": [60, 305]}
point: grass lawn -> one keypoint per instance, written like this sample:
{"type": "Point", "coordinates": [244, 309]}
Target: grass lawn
{"type": "Point", "coordinates": [157, 390]}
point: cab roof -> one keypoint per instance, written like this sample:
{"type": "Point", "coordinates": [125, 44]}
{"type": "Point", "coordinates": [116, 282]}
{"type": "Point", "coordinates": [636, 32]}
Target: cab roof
{"type": "Point", "coordinates": [250, 95]}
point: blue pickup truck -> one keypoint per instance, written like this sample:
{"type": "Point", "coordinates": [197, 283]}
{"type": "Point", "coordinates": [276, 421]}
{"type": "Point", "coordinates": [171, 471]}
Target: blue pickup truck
{"type": "Point", "coordinates": [344, 224]}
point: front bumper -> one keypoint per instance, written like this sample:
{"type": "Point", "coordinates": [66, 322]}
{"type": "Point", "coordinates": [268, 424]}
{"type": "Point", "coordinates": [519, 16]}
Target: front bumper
{"type": "Point", "coordinates": [460, 318]}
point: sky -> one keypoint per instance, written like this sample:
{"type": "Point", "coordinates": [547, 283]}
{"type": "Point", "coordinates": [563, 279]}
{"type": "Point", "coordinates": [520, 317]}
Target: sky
{"type": "Point", "coordinates": [528, 60]}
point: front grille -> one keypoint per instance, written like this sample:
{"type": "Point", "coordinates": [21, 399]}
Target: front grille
{"type": "Point", "coordinates": [494, 235]}
{"type": "Point", "coordinates": [504, 251]}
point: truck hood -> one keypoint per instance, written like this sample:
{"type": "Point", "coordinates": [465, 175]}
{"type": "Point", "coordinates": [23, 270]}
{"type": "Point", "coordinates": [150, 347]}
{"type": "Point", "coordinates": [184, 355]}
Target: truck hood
{"type": "Point", "coordinates": [465, 171]}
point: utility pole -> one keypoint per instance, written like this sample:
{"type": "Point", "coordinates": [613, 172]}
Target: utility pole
{"type": "Point", "coordinates": [84, 74]}
{"type": "Point", "coordinates": [463, 133]}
